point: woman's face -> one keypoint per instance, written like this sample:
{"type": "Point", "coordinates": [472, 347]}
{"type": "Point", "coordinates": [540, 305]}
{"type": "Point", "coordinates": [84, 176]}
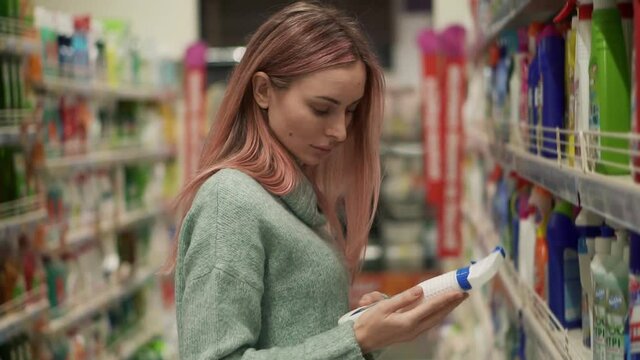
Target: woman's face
{"type": "Point", "coordinates": [312, 116]}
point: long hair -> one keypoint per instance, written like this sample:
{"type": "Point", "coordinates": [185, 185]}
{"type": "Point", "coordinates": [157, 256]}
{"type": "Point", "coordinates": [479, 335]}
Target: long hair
{"type": "Point", "coordinates": [298, 40]}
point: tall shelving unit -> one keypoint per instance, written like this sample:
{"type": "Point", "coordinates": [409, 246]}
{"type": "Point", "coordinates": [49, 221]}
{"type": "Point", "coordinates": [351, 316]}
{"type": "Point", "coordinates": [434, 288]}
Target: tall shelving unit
{"type": "Point", "coordinates": [128, 239]}
{"type": "Point", "coordinates": [615, 198]}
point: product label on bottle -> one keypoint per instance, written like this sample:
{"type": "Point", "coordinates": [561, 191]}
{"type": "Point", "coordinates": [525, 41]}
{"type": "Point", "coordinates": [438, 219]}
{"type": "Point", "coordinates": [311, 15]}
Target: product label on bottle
{"type": "Point", "coordinates": [616, 312]}
{"type": "Point", "coordinates": [599, 322]}
{"type": "Point", "coordinates": [572, 288]}
{"type": "Point", "coordinates": [634, 315]}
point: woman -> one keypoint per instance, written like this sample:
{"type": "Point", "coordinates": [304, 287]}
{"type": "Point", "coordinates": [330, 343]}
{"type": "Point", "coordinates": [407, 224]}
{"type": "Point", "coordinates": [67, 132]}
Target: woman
{"type": "Point", "coordinates": [280, 209]}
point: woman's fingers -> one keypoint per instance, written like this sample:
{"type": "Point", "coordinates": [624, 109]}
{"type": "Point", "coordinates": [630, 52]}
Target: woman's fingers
{"type": "Point", "coordinates": [401, 300]}
{"type": "Point", "coordinates": [431, 307]}
{"type": "Point", "coordinates": [371, 298]}
{"type": "Point", "coordinates": [436, 318]}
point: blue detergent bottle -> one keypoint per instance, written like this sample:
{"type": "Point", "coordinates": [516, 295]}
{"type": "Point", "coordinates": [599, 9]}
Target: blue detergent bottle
{"type": "Point", "coordinates": [565, 292]}
{"type": "Point", "coordinates": [551, 50]}
{"type": "Point", "coordinates": [533, 81]}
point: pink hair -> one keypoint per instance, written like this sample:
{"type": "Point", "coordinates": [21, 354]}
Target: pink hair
{"type": "Point", "coordinates": [298, 40]}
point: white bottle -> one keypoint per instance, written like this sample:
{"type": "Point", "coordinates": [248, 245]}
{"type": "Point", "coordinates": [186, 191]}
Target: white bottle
{"type": "Point", "coordinates": [581, 73]}
{"type": "Point", "coordinates": [463, 279]}
{"type": "Point", "coordinates": [588, 225]}
{"type": "Point", "coordinates": [617, 300]}
{"type": "Point", "coordinates": [599, 277]}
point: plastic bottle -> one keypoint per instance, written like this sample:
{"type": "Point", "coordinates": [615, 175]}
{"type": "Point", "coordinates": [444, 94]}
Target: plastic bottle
{"type": "Point", "coordinates": [617, 298]}
{"type": "Point", "coordinates": [634, 296]}
{"type": "Point", "coordinates": [462, 279]}
{"type": "Point", "coordinates": [609, 89]}
{"type": "Point", "coordinates": [581, 76]}
{"type": "Point", "coordinates": [527, 244]}
{"type": "Point", "coordinates": [80, 44]}
{"type": "Point", "coordinates": [533, 90]}
{"type": "Point", "coordinates": [516, 87]}
{"type": "Point", "coordinates": [599, 274]}
{"type": "Point", "coordinates": [588, 227]}
{"type": "Point", "coordinates": [551, 60]}
{"type": "Point", "coordinates": [542, 201]}
{"type": "Point", "coordinates": [564, 285]}
{"type": "Point", "coordinates": [518, 201]}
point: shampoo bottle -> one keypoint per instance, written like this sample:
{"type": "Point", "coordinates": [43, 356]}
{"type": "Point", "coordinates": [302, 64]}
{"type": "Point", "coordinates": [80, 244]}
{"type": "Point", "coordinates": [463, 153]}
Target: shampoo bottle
{"type": "Point", "coordinates": [564, 286]}
{"type": "Point", "coordinates": [609, 90]}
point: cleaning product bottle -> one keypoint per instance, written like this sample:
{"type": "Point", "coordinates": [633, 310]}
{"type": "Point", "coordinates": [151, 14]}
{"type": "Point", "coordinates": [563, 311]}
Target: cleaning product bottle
{"type": "Point", "coordinates": [609, 90]}
{"type": "Point", "coordinates": [518, 201]}
{"type": "Point", "coordinates": [581, 75]}
{"type": "Point", "coordinates": [564, 285]}
{"type": "Point", "coordinates": [551, 59]}
{"type": "Point", "coordinates": [634, 296]}
{"type": "Point", "coordinates": [527, 244]}
{"type": "Point", "coordinates": [599, 273]}
{"type": "Point", "coordinates": [617, 300]}
{"type": "Point", "coordinates": [542, 201]}
{"type": "Point", "coordinates": [516, 86]}
{"type": "Point", "coordinates": [588, 227]}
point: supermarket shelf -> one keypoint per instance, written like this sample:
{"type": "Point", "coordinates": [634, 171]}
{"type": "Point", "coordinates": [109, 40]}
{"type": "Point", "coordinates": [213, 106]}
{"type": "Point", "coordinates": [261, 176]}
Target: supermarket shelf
{"type": "Point", "coordinates": [18, 45]}
{"type": "Point", "coordinates": [108, 158]}
{"type": "Point", "coordinates": [127, 347]}
{"type": "Point", "coordinates": [522, 13]}
{"type": "Point", "coordinates": [90, 88]}
{"type": "Point", "coordinates": [615, 198]}
{"type": "Point", "coordinates": [18, 221]}
{"type": "Point", "coordinates": [79, 236]}
{"type": "Point", "coordinates": [558, 342]}
{"type": "Point", "coordinates": [13, 323]}
{"type": "Point", "coordinates": [99, 301]}
{"type": "Point", "coordinates": [16, 124]}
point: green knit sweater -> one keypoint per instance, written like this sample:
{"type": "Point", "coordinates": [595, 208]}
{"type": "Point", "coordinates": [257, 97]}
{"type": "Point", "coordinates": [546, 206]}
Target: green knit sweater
{"type": "Point", "coordinates": [255, 279]}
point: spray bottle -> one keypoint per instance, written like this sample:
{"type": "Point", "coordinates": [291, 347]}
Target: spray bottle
{"type": "Point", "coordinates": [609, 89]}
{"type": "Point", "coordinates": [588, 227]}
{"type": "Point", "coordinates": [564, 285]}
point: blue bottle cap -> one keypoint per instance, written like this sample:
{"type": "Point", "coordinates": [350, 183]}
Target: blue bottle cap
{"type": "Point", "coordinates": [462, 276]}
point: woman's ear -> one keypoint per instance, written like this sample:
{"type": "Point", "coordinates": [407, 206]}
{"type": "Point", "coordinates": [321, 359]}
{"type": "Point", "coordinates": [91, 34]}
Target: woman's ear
{"type": "Point", "coordinates": [261, 89]}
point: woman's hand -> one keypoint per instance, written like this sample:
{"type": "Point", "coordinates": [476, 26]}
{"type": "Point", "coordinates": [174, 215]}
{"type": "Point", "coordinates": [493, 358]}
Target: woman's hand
{"type": "Point", "coordinates": [402, 318]}
{"type": "Point", "coordinates": [370, 298]}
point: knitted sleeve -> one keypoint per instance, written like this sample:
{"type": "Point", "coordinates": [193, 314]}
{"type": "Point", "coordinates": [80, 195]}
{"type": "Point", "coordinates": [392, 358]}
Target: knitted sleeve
{"type": "Point", "coordinates": [219, 286]}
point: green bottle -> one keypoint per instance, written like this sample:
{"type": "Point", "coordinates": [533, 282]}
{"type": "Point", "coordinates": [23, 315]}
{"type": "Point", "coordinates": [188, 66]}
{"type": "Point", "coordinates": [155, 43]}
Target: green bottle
{"type": "Point", "coordinates": [609, 89]}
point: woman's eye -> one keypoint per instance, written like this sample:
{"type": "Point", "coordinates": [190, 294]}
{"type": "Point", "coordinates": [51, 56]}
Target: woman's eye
{"type": "Point", "coordinates": [320, 112]}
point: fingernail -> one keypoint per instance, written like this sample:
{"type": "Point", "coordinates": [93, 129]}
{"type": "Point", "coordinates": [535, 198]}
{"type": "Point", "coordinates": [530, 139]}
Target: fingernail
{"type": "Point", "coordinates": [416, 291]}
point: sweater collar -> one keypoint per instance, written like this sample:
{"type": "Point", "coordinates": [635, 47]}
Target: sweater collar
{"type": "Point", "coordinates": [303, 202]}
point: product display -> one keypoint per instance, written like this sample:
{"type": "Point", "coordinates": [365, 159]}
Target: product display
{"type": "Point", "coordinates": [82, 223]}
